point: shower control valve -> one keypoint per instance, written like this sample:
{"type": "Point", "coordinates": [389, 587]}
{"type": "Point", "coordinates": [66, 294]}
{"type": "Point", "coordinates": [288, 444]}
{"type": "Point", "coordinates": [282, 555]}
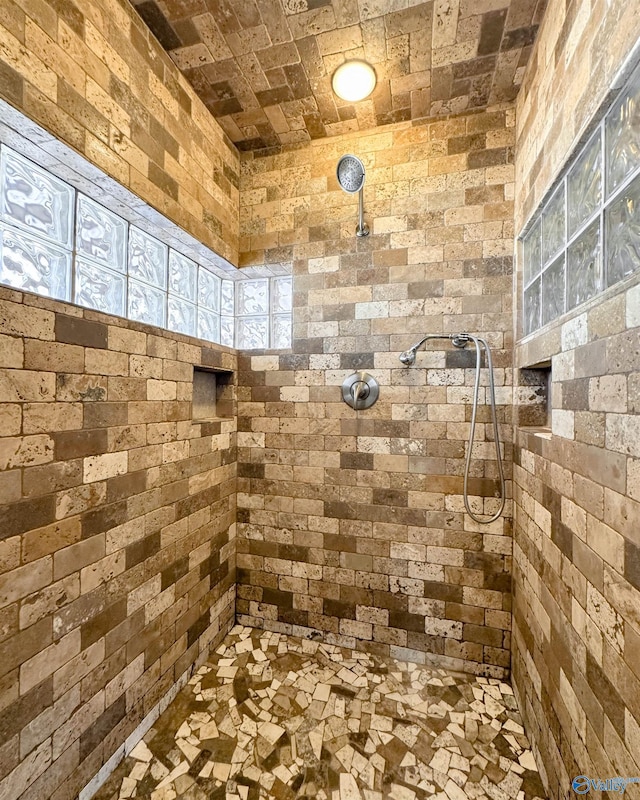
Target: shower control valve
{"type": "Point", "coordinates": [360, 390]}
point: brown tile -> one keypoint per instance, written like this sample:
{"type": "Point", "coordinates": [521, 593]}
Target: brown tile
{"type": "Point", "coordinates": [75, 330]}
{"type": "Point", "coordinates": [77, 444]}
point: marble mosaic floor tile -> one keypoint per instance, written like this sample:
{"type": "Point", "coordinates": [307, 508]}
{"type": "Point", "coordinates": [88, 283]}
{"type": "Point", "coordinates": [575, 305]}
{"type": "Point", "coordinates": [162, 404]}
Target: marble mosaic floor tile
{"type": "Point", "coordinates": [272, 716]}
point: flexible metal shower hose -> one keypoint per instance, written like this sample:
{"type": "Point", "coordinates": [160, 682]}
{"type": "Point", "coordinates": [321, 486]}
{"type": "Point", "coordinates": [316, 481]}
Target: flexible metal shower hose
{"type": "Point", "coordinates": [477, 341]}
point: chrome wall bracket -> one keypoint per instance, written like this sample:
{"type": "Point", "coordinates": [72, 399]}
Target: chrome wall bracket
{"type": "Point", "coordinates": [360, 390]}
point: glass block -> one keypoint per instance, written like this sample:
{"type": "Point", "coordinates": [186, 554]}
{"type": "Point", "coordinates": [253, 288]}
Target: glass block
{"type": "Point", "coordinates": [553, 225]}
{"type": "Point", "coordinates": [622, 126]}
{"type": "Point", "coordinates": [532, 307]}
{"type": "Point", "coordinates": [584, 184]}
{"type": "Point", "coordinates": [281, 294]}
{"type": "Point", "coordinates": [208, 289]}
{"type": "Point", "coordinates": [209, 326]}
{"type": "Point", "coordinates": [99, 288]}
{"type": "Point", "coordinates": [281, 331]}
{"type": "Point", "coordinates": [252, 333]}
{"type": "Point", "coordinates": [553, 291]}
{"type": "Point", "coordinates": [226, 331]}
{"type": "Point", "coordinates": [622, 234]}
{"type": "Point", "coordinates": [101, 235]}
{"type": "Point", "coordinates": [583, 267]}
{"type": "Point", "coordinates": [181, 316]}
{"type": "Point", "coordinates": [183, 276]}
{"type": "Point", "coordinates": [147, 258]}
{"type": "Point", "coordinates": [146, 304]}
{"type": "Point", "coordinates": [33, 199]}
{"type": "Point", "coordinates": [35, 265]}
{"type": "Point", "coordinates": [532, 252]}
{"type": "Point", "coordinates": [252, 297]}
{"type": "Point", "coordinates": [227, 298]}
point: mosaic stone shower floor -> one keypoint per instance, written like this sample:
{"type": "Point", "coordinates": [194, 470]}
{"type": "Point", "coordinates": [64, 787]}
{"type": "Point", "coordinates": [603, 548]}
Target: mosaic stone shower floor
{"type": "Point", "coordinates": [273, 716]}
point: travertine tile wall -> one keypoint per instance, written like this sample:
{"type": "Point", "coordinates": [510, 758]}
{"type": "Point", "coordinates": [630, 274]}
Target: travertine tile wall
{"type": "Point", "coordinates": [264, 68]}
{"type": "Point", "coordinates": [353, 524]}
{"type": "Point", "coordinates": [576, 647]}
{"type": "Point", "coordinates": [94, 76]}
{"type": "Point", "coordinates": [117, 533]}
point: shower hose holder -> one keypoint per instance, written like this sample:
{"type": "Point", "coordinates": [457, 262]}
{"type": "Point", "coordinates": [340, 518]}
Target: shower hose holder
{"type": "Point", "coordinates": [360, 390]}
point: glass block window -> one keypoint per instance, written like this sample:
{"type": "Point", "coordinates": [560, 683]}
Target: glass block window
{"type": "Point", "coordinates": [252, 297]}
{"type": "Point", "coordinates": [148, 258]}
{"type": "Point", "coordinates": [34, 265]}
{"type": "Point", "coordinates": [34, 200]}
{"type": "Point", "coordinates": [100, 288]}
{"type": "Point", "coordinates": [57, 242]}
{"type": "Point", "coordinates": [263, 313]}
{"type": "Point", "coordinates": [227, 331]}
{"type": "Point", "coordinates": [208, 290]}
{"type": "Point", "coordinates": [183, 276]}
{"type": "Point", "coordinates": [586, 236]}
{"type": "Point", "coordinates": [100, 235]}
{"type": "Point", "coordinates": [227, 298]}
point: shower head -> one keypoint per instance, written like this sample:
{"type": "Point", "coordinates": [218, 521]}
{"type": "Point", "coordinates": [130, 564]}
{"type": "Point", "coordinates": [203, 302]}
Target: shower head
{"type": "Point", "coordinates": [350, 172]}
{"type": "Point", "coordinates": [459, 340]}
{"type": "Point", "coordinates": [408, 357]}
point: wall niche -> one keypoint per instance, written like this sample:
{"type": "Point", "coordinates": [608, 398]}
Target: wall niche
{"type": "Point", "coordinates": [534, 396]}
{"type": "Point", "coordinates": [212, 394]}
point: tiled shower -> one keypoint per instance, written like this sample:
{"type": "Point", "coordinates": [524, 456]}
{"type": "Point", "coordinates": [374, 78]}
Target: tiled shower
{"type": "Point", "coordinates": [217, 578]}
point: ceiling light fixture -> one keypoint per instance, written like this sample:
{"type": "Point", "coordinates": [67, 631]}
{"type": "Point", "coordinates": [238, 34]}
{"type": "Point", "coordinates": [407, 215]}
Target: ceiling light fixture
{"type": "Point", "coordinates": [354, 80]}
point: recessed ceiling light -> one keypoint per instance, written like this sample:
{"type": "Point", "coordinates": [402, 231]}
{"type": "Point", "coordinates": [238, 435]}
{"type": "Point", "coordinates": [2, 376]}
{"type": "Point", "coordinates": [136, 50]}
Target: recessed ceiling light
{"type": "Point", "coordinates": [354, 80]}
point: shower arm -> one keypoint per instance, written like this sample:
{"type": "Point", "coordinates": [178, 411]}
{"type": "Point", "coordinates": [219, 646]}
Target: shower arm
{"type": "Point", "coordinates": [458, 339]}
{"type": "Point", "coordinates": [363, 228]}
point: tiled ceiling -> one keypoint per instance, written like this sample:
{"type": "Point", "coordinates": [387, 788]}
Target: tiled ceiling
{"type": "Point", "coordinates": [264, 67]}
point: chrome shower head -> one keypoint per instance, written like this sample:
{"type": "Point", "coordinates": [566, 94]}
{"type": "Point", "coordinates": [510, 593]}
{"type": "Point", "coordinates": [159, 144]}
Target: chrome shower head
{"type": "Point", "coordinates": [350, 172]}
{"type": "Point", "coordinates": [460, 340]}
{"type": "Point", "coordinates": [408, 357]}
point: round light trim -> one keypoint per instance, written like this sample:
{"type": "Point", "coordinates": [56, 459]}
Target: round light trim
{"type": "Point", "coordinates": [354, 80]}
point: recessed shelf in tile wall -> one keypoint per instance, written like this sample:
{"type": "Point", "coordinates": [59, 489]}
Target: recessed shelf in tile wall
{"type": "Point", "coordinates": [534, 396]}
{"type": "Point", "coordinates": [212, 394]}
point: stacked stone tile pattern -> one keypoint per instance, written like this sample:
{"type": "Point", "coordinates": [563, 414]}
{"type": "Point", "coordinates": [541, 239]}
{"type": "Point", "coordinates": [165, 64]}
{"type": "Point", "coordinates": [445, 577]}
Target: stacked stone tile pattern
{"type": "Point", "coordinates": [264, 69]}
{"type": "Point", "coordinates": [275, 716]}
{"type": "Point", "coordinates": [353, 524]}
{"type": "Point", "coordinates": [117, 548]}
{"type": "Point", "coordinates": [576, 646]}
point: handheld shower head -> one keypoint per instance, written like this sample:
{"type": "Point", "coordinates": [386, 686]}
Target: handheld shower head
{"type": "Point", "coordinates": [350, 174]}
{"type": "Point", "coordinates": [408, 357]}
